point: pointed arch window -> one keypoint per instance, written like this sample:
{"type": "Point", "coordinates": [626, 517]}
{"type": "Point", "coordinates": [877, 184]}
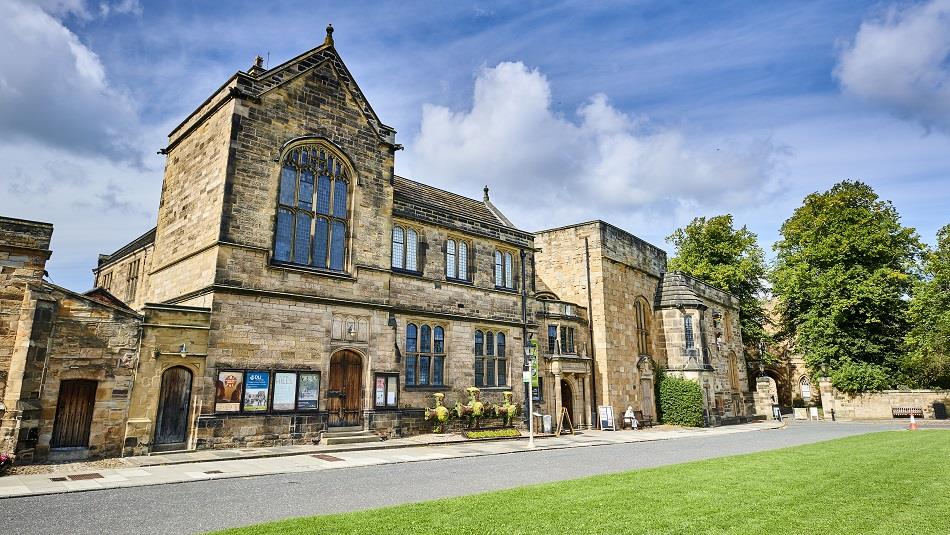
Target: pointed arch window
{"type": "Point", "coordinates": [643, 327]}
{"type": "Point", "coordinates": [312, 208]}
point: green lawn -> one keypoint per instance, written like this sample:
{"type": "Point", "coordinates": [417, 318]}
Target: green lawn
{"type": "Point", "coordinates": [892, 482]}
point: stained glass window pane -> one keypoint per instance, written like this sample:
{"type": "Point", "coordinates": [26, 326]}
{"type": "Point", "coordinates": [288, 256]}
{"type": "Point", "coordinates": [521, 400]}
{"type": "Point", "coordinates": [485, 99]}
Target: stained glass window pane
{"type": "Point", "coordinates": [438, 335]}
{"type": "Point", "coordinates": [285, 231]}
{"type": "Point", "coordinates": [320, 243]}
{"type": "Point", "coordinates": [339, 198]}
{"type": "Point", "coordinates": [438, 369]}
{"type": "Point", "coordinates": [323, 194]}
{"type": "Point", "coordinates": [490, 372]}
{"type": "Point", "coordinates": [423, 370]}
{"type": "Point", "coordinates": [479, 343]}
{"type": "Point", "coordinates": [399, 237]}
{"type": "Point", "coordinates": [288, 183]}
{"type": "Point", "coordinates": [305, 196]}
{"type": "Point", "coordinates": [425, 339]}
{"type": "Point", "coordinates": [463, 260]}
{"type": "Point", "coordinates": [498, 267]}
{"type": "Point", "coordinates": [304, 158]}
{"type": "Point", "coordinates": [411, 338]}
{"type": "Point", "coordinates": [411, 250]}
{"type": "Point", "coordinates": [450, 259]}
{"type": "Point", "coordinates": [302, 239]}
{"type": "Point", "coordinates": [502, 372]}
{"type": "Point", "coordinates": [411, 370]}
{"type": "Point", "coordinates": [489, 343]}
{"type": "Point", "coordinates": [508, 283]}
{"type": "Point", "coordinates": [337, 246]}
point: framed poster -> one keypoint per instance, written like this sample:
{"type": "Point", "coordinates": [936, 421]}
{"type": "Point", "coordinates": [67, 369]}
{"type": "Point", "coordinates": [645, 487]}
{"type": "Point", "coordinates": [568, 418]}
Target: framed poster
{"type": "Point", "coordinates": [256, 389]}
{"type": "Point", "coordinates": [285, 391]}
{"type": "Point", "coordinates": [380, 390]}
{"type": "Point", "coordinates": [392, 383]}
{"type": "Point", "coordinates": [228, 388]}
{"type": "Point", "coordinates": [308, 391]}
{"type": "Point", "coordinates": [606, 416]}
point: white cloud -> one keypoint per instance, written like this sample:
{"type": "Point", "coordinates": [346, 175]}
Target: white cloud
{"type": "Point", "coordinates": [901, 61]}
{"type": "Point", "coordinates": [550, 170]}
{"type": "Point", "coordinates": [54, 89]}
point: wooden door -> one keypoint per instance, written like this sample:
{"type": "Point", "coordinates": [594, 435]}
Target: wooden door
{"type": "Point", "coordinates": [646, 398]}
{"type": "Point", "coordinates": [345, 395]}
{"type": "Point", "coordinates": [567, 398]}
{"type": "Point", "coordinates": [171, 425]}
{"type": "Point", "coordinates": [77, 399]}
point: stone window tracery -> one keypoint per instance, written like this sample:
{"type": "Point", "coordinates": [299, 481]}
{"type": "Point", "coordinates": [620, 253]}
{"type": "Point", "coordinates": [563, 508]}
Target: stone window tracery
{"type": "Point", "coordinates": [425, 355]}
{"type": "Point", "coordinates": [456, 259]}
{"type": "Point", "coordinates": [405, 248]}
{"type": "Point", "coordinates": [491, 359]}
{"type": "Point", "coordinates": [312, 208]}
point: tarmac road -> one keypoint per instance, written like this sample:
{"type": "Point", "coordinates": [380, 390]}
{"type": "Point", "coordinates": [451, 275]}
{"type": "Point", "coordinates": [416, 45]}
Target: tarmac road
{"type": "Point", "coordinates": [200, 506]}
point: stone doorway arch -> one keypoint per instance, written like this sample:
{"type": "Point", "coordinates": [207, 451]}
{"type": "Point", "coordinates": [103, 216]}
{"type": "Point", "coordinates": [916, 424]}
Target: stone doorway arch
{"type": "Point", "coordinates": [345, 393]}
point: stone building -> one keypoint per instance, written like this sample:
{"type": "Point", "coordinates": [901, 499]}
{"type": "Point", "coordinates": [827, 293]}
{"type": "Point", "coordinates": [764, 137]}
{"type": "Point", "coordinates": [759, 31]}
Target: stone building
{"type": "Point", "coordinates": [294, 284]}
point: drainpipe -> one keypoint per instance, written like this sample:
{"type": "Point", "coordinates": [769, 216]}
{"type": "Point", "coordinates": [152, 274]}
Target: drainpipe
{"type": "Point", "coordinates": [524, 333]}
{"type": "Point", "coordinates": [590, 333]}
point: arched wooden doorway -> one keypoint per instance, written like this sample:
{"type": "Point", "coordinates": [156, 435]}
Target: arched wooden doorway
{"type": "Point", "coordinates": [567, 398]}
{"type": "Point", "coordinates": [171, 425]}
{"type": "Point", "coordinates": [345, 394]}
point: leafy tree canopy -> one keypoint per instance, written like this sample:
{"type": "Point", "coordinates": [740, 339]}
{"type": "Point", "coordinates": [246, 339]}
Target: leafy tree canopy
{"type": "Point", "coordinates": [714, 251]}
{"type": "Point", "coordinates": [843, 272]}
{"type": "Point", "coordinates": [928, 342]}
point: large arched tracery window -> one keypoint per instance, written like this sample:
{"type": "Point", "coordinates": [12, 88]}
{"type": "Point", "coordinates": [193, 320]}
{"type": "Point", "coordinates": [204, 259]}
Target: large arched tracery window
{"type": "Point", "coordinates": [313, 208]}
{"type": "Point", "coordinates": [643, 313]}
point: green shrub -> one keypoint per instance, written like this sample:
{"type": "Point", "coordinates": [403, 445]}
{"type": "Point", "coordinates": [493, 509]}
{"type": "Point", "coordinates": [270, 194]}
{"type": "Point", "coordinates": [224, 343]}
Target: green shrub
{"type": "Point", "coordinates": [855, 377]}
{"type": "Point", "coordinates": [680, 401]}
{"type": "Point", "coordinates": [494, 433]}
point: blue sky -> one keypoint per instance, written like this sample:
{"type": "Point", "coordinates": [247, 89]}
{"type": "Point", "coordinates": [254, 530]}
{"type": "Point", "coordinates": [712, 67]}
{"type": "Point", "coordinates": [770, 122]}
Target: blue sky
{"type": "Point", "coordinates": [645, 114]}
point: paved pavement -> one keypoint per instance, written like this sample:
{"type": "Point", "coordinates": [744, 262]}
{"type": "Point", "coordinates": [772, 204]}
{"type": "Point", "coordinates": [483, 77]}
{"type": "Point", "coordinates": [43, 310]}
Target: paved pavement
{"type": "Point", "coordinates": [382, 477]}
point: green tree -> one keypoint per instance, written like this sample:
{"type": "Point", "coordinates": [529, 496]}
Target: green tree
{"type": "Point", "coordinates": [714, 251]}
{"type": "Point", "coordinates": [928, 342]}
{"type": "Point", "coordinates": [843, 271]}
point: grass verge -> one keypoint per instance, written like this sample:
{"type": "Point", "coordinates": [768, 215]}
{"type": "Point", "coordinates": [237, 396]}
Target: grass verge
{"type": "Point", "coordinates": [891, 482]}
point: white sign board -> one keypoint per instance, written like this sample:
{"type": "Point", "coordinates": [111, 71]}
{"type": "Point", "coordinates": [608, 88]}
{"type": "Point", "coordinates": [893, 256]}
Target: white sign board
{"type": "Point", "coordinates": [606, 417]}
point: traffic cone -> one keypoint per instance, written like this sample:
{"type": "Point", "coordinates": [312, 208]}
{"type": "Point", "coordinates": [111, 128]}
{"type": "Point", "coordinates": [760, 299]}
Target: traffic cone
{"type": "Point", "coordinates": [913, 423]}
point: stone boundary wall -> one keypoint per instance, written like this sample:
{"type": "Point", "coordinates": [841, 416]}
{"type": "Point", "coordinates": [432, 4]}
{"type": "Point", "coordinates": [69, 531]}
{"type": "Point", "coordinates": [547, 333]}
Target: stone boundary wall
{"type": "Point", "coordinates": [878, 405]}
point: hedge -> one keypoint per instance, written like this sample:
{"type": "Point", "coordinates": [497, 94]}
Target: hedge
{"type": "Point", "coordinates": [680, 401]}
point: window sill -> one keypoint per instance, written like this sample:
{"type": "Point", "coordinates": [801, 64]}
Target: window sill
{"type": "Point", "coordinates": [311, 269]}
{"type": "Point", "coordinates": [459, 281]}
{"type": "Point", "coordinates": [494, 388]}
{"type": "Point", "coordinates": [402, 271]}
{"type": "Point", "coordinates": [426, 388]}
{"type": "Point", "coordinates": [506, 289]}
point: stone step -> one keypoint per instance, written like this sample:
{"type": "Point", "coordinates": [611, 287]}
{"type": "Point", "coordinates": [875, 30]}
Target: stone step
{"type": "Point", "coordinates": [358, 439]}
{"type": "Point", "coordinates": [344, 429]}
{"type": "Point", "coordinates": [335, 434]}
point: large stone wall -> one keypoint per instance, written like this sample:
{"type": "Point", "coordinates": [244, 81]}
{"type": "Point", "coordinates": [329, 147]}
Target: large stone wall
{"type": "Point", "coordinates": [114, 277]}
{"type": "Point", "coordinates": [878, 405]}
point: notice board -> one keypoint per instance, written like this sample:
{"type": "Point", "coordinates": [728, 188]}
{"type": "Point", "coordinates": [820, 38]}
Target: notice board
{"type": "Point", "coordinates": [606, 417]}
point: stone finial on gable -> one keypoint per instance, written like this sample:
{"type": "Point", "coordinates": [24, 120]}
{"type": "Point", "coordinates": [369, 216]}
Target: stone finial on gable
{"type": "Point", "coordinates": [486, 193]}
{"type": "Point", "coordinates": [329, 40]}
{"type": "Point", "coordinates": [258, 66]}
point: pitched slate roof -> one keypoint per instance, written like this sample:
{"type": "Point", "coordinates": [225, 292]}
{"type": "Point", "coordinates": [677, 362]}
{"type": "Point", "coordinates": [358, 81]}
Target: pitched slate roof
{"type": "Point", "coordinates": [448, 202]}
{"type": "Point", "coordinates": [676, 290]}
{"type": "Point", "coordinates": [142, 241]}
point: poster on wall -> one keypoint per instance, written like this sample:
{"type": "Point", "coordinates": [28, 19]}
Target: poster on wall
{"type": "Point", "coordinates": [391, 384]}
{"type": "Point", "coordinates": [256, 388]}
{"type": "Point", "coordinates": [285, 391]}
{"type": "Point", "coordinates": [228, 387]}
{"type": "Point", "coordinates": [309, 391]}
{"type": "Point", "coordinates": [380, 390]}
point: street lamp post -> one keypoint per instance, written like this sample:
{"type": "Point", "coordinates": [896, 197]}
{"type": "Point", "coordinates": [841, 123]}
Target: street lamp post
{"type": "Point", "coordinates": [528, 383]}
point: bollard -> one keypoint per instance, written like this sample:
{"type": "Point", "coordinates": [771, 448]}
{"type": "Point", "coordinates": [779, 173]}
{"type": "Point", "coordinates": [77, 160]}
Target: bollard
{"type": "Point", "coordinates": [913, 422]}
{"type": "Point", "coordinates": [832, 415]}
